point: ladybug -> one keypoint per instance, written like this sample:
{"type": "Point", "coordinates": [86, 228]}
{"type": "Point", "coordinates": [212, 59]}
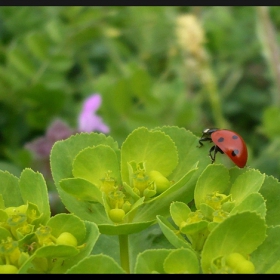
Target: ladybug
{"type": "Point", "coordinates": [226, 142]}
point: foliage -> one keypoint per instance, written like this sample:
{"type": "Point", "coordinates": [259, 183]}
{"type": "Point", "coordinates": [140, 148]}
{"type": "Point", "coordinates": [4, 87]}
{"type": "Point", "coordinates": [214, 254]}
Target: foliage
{"type": "Point", "coordinates": [143, 196]}
{"type": "Point", "coordinates": [215, 219]}
{"type": "Point", "coordinates": [51, 58]}
{"type": "Point", "coordinates": [31, 240]}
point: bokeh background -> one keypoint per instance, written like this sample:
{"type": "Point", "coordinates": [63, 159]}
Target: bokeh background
{"type": "Point", "coordinates": [192, 67]}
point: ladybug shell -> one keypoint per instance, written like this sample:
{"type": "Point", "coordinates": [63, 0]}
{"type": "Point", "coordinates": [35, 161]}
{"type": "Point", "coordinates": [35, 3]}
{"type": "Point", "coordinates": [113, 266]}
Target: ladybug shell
{"type": "Point", "coordinates": [232, 144]}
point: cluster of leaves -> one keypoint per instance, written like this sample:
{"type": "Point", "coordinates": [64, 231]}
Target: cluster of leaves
{"type": "Point", "coordinates": [216, 219]}
{"type": "Point", "coordinates": [31, 240]}
{"type": "Point", "coordinates": [232, 215]}
{"type": "Point", "coordinates": [231, 224]}
{"type": "Point", "coordinates": [127, 187]}
{"type": "Point", "coordinates": [120, 191]}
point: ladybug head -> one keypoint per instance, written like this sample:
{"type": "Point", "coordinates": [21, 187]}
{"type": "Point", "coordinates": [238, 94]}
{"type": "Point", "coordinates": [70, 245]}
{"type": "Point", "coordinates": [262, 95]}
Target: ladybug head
{"type": "Point", "coordinates": [209, 130]}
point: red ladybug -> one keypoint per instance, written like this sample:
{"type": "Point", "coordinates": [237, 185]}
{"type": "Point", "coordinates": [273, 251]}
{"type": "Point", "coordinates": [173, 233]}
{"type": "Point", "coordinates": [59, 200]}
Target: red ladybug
{"type": "Point", "coordinates": [228, 142]}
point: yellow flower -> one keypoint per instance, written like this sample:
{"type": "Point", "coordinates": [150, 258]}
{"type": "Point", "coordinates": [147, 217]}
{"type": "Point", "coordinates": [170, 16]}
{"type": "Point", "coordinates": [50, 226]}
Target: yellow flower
{"type": "Point", "coordinates": [112, 32]}
{"type": "Point", "coordinates": [190, 34]}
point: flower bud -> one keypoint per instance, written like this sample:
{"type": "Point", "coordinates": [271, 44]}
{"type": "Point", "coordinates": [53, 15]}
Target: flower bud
{"type": "Point", "coordinates": [162, 183]}
{"type": "Point", "coordinates": [67, 238]}
{"type": "Point", "coordinates": [8, 269]}
{"type": "Point", "coordinates": [116, 215]}
{"type": "Point", "coordinates": [239, 264]}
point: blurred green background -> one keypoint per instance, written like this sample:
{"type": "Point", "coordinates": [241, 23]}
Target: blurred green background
{"type": "Point", "coordinates": [192, 67]}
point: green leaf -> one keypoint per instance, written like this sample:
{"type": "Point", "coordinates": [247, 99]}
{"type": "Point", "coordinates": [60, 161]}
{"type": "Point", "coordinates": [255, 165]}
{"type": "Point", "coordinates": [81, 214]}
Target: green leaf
{"type": "Point", "coordinates": [38, 44]}
{"type": "Point", "coordinates": [179, 212]}
{"type": "Point", "coordinates": [10, 167]}
{"type": "Point", "coordinates": [55, 30]}
{"type": "Point", "coordinates": [190, 229]}
{"type": "Point", "coordinates": [215, 178]}
{"type": "Point", "coordinates": [241, 233]}
{"type": "Point", "coordinates": [235, 172]}
{"type": "Point", "coordinates": [93, 163]}
{"type": "Point", "coordinates": [207, 211]}
{"type": "Point", "coordinates": [97, 264]}
{"type": "Point", "coordinates": [181, 261]}
{"type": "Point", "coordinates": [271, 115]}
{"type": "Point", "coordinates": [34, 189]}
{"type": "Point", "coordinates": [61, 60]}
{"type": "Point", "coordinates": [130, 191]}
{"type": "Point", "coordinates": [56, 251]}
{"type": "Point", "coordinates": [188, 152]}
{"type": "Point", "coordinates": [151, 261]}
{"type": "Point", "coordinates": [42, 103]}
{"type": "Point", "coordinates": [2, 202]}
{"type": "Point", "coordinates": [21, 61]}
{"type": "Point", "coordinates": [128, 228]}
{"type": "Point", "coordinates": [247, 183]}
{"type": "Point", "coordinates": [172, 234]}
{"type": "Point", "coordinates": [156, 149]}
{"type": "Point", "coordinates": [51, 252]}
{"type": "Point", "coordinates": [9, 189]}
{"type": "Point", "coordinates": [267, 256]}
{"type": "Point", "coordinates": [81, 189]}
{"type": "Point", "coordinates": [271, 193]}
{"type": "Point", "coordinates": [140, 83]}
{"type": "Point", "coordinates": [62, 155]}
{"type": "Point", "coordinates": [129, 215]}
{"type": "Point", "coordinates": [69, 223]}
{"type": "Point", "coordinates": [3, 215]}
{"type": "Point", "coordinates": [252, 202]}
{"type": "Point", "coordinates": [4, 233]}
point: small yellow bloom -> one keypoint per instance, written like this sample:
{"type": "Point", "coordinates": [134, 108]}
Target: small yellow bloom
{"type": "Point", "coordinates": [195, 217]}
{"type": "Point", "coordinates": [190, 34]}
{"type": "Point", "coordinates": [112, 32]}
{"type": "Point", "coordinates": [108, 183]}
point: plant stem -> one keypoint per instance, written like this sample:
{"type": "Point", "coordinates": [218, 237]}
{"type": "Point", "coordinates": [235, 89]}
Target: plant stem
{"type": "Point", "coordinates": [271, 50]}
{"type": "Point", "coordinates": [124, 254]}
{"type": "Point", "coordinates": [210, 86]}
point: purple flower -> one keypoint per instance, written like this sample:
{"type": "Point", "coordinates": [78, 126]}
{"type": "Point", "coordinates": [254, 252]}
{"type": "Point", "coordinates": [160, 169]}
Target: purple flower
{"type": "Point", "coordinates": [88, 120]}
{"type": "Point", "coordinates": [41, 146]}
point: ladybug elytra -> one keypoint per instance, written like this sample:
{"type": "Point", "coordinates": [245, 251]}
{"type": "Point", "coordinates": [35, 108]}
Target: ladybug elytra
{"type": "Point", "coordinates": [226, 142]}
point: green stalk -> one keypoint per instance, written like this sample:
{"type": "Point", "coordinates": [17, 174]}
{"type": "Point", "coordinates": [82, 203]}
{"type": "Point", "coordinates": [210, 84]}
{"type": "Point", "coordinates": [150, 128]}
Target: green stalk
{"type": "Point", "coordinates": [267, 35]}
{"type": "Point", "coordinates": [210, 87]}
{"type": "Point", "coordinates": [124, 254]}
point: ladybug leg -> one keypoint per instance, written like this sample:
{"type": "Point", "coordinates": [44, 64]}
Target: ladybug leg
{"type": "Point", "coordinates": [215, 149]}
{"type": "Point", "coordinates": [203, 139]}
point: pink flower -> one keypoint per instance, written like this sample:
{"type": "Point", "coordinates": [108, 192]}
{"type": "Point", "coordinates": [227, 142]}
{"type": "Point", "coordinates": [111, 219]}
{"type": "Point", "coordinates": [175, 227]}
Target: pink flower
{"type": "Point", "coordinates": [88, 120]}
{"type": "Point", "coordinates": [59, 130]}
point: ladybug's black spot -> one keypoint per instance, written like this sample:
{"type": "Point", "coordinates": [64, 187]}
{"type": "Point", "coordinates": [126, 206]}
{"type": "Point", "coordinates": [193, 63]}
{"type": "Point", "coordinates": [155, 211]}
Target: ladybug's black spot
{"type": "Point", "coordinates": [221, 139]}
{"type": "Point", "coordinates": [234, 137]}
{"type": "Point", "coordinates": [235, 153]}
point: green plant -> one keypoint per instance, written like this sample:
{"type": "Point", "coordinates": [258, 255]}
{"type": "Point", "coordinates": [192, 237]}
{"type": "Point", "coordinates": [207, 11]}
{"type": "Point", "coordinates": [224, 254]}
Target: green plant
{"type": "Point", "coordinates": [31, 240]}
{"type": "Point", "coordinates": [214, 219]}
